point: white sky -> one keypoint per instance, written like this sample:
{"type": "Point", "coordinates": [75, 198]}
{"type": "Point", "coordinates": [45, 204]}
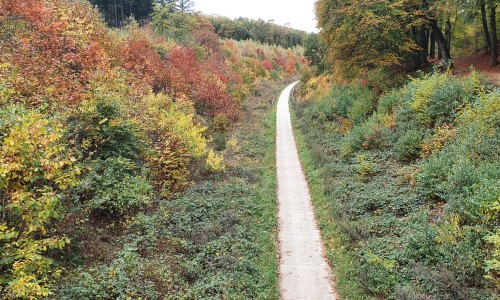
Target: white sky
{"type": "Point", "coordinates": [298, 14]}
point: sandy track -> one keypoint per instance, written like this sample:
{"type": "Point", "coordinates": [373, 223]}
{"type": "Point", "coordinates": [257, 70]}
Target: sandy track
{"type": "Point", "coordinates": [304, 272]}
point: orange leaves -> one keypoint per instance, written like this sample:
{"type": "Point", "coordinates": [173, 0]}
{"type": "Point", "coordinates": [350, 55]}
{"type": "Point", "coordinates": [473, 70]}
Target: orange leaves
{"type": "Point", "coordinates": [140, 58]}
{"type": "Point", "coordinates": [64, 51]}
{"type": "Point", "coordinates": [267, 65]}
{"type": "Point", "coordinates": [54, 57]}
{"type": "Point", "coordinates": [183, 70]}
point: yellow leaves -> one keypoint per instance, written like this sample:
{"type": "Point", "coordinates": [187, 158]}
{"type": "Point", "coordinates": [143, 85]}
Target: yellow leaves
{"type": "Point", "coordinates": [34, 168]}
{"type": "Point", "coordinates": [177, 118]}
{"type": "Point", "coordinates": [388, 264]}
{"type": "Point", "coordinates": [232, 144]}
{"type": "Point", "coordinates": [215, 161]}
{"type": "Point", "coordinates": [442, 134]}
{"type": "Point", "coordinates": [449, 231]}
{"type": "Point", "coordinates": [365, 167]}
{"type": "Point", "coordinates": [425, 88]}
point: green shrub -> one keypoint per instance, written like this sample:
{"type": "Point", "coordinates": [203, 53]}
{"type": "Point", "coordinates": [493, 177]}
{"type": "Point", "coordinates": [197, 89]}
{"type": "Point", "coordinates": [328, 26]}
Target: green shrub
{"type": "Point", "coordinates": [370, 134]}
{"type": "Point", "coordinates": [424, 226]}
{"type": "Point", "coordinates": [126, 277]}
{"type": "Point", "coordinates": [212, 219]}
{"type": "Point", "coordinates": [364, 167]}
{"type": "Point", "coordinates": [388, 103]}
{"type": "Point", "coordinates": [100, 131]}
{"type": "Point", "coordinates": [437, 97]}
{"type": "Point", "coordinates": [407, 147]}
{"type": "Point", "coordinates": [114, 186]}
{"type": "Point", "coordinates": [354, 102]}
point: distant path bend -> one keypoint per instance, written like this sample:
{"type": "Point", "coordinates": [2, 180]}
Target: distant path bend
{"type": "Point", "coordinates": [303, 270]}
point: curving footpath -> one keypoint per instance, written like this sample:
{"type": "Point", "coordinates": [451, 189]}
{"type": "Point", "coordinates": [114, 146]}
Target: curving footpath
{"type": "Point", "coordinates": [303, 270]}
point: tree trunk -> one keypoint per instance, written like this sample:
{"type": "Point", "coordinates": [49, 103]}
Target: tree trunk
{"type": "Point", "coordinates": [485, 25]}
{"type": "Point", "coordinates": [424, 44]}
{"type": "Point", "coordinates": [494, 40]}
{"type": "Point", "coordinates": [416, 56]}
{"type": "Point", "coordinates": [442, 45]}
{"type": "Point", "coordinates": [123, 14]}
{"type": "Point", "coordinates": [448, 34]}
{"type": "Point", "coordinates": [432, 53]}
{"type": "Point", "coordinates": [116, 14]}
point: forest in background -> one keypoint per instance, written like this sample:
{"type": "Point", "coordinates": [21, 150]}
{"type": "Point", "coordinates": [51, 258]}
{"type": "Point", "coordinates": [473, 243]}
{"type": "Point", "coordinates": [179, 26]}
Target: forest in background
{"type": "Point", "coordinates": [116, 150]}
{"type": "Point", "coordinates": [401, 154]}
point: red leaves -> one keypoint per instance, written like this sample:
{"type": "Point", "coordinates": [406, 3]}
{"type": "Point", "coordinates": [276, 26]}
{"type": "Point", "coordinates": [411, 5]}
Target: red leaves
{"type": "Point", "coordinates": [267, 65]}
{"type": "Point", "coordinates": [52, 63]}
{"type": "Point", "coordinates": [206, 81]}
{"type": "Point", "coordinates": [184, 70]}
{"type": "Point", "coordinates": [60, 48]}
{"type": "Point", "coordinates": [141, 59]}
{"type": "Point", "coordinates": [214, 99]}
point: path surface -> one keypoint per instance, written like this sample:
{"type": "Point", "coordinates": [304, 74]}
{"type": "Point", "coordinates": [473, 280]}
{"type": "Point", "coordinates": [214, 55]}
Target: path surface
{"type": "Point", "coordinates": [304, 272]}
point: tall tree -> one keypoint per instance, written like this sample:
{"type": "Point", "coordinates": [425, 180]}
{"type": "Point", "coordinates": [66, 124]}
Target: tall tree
{"type": "Point", "coordinates": [364, 34]}
{"type": "Point", "coordinates": [185, 6]}
{"type": "Point", "coordinates": [115, 12]}
{"type": "Point", "coordinates": [494, 39]}
{"type": "Point", "coordinates": [315, 51]}
{"type": "Point", "coordinates": [484, 21]}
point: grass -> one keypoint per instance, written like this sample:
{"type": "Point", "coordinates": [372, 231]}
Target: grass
{"type": "Point", "coordinates": [264, 216]}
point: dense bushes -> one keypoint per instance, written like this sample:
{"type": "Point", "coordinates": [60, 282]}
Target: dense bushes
{"type": "Point", "coordinates": [206, 243]}
{"type": "Point", "coordinates": [98, 125]}
{"type": "Point", "coordinates": [415, 186]}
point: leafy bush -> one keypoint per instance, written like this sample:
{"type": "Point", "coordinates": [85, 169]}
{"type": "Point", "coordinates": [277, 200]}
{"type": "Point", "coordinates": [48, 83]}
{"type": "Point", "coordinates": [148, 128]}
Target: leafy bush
{"type": "Point", "coordinates": [353, 102]}
{"type": "Point", "coordinates": [408, 145]}
{"type": "Point", "coordinates": [100, 131]}
{"type": "Point", "coordinates": [425, 224]}
{"type": "Point", "coordinates": [365, 167]}
{"type": "Point", "coordinates": [368, 135]}
{"type": "Point", "coordinates": [126, 277]}
{"type": "Point", "coordinates": [114, 186]}
{"type": "Point", "coordinates": [35, 169]}
{"type": "Point", "coordinates": [213, 221]}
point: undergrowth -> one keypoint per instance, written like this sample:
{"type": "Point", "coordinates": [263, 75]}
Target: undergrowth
{"type": "Point", "coordinates": [216, 241]}
{"type": "Point", "coordinates": [408, 198]}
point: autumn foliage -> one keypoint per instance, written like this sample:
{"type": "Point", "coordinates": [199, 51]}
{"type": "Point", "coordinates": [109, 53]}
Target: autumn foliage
{"type": "Point", "coordinates": [104, 122]}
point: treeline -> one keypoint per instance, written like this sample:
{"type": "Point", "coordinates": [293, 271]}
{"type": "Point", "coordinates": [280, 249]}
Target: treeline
{"type": "Point", "coordinates": [99, 126]}
{"type": "Point", "coordinates": [367, 35]}
{"type": "Point", "coordinates": [117, 13]}
{"type": "Point", "coordinates": [242, 29]}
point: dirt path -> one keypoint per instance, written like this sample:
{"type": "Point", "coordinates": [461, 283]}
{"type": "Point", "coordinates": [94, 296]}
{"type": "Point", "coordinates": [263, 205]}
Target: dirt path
{"type": "Point", "coordinates": [304, 272]}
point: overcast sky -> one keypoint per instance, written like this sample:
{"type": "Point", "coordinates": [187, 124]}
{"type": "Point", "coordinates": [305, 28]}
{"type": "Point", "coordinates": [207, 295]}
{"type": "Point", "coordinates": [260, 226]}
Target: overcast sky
{"type": "Point", "coordinates": [298, 14]}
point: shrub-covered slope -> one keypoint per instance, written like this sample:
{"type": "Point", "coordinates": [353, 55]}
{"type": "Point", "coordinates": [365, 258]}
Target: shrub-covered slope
{"type": "Point", "coordinates": [411, 183]}
{"type": "Point", "coordinates": [98, 128]}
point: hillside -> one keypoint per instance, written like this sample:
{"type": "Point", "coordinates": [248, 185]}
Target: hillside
{"type": "Point", "coordinates": [129, 157]}
{"type": "Point", "coordinates": [140, 159]}
{"type": "Point", "coordinates": [481, 62]}
{"type": "Point", "coordinates": [403, 156]}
